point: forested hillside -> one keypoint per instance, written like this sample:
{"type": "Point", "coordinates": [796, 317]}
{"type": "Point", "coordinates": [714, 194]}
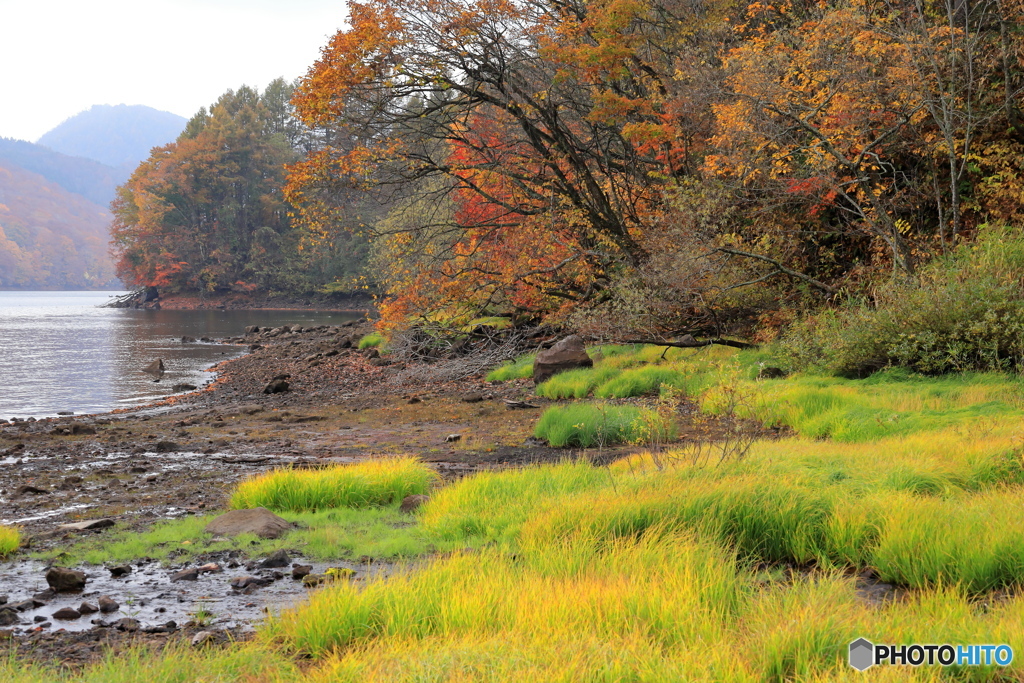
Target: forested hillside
{"type": "Point", "coordinates": [116, 135]}
{"type": "Point", "coordinates": [49, 237]}
{"type": "Point", "coordinates": [206, 212]}
{"type": "Point", "coordinates": [95, 181]}
{"type": "Point", "coordinates": [660, 166]}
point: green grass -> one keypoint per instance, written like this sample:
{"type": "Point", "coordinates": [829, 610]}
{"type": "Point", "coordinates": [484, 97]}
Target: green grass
{"type": "Point", "coordinates": [370, 341]}
{"type": "Point", "coordinates": [341, 533]}
{"type": "Point", "coordinates": [667, 566]}
{"type": "Point", "coordinates": [10, 539]}
{"type": "Point", "coordinates": [601, 424]}
{"type": "Point", "coordinates": [520, 368]}
{"type": "Point", "coordinates": [380, 481]}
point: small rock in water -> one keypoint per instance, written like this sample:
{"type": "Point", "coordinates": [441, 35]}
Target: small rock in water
{"type": "Point", "coordinates": [185, 575]}
{"type": "Point", "coordinates": [120, 570]}
{"type": "Point", "coordinates": [183, 387]}
{"type": "Point", "coordinates": [301, 570]}
{"type": "Point", "coordinates": [67, 614]}
{"type": "Point", "coordinates": [187, 339]}
{"type": "Point", "coordinates": [155, 368]}
{"type": "Point", "coordinates": [127, 624]}
{"type": "Point", "coordinates": [64, 580]}
{"type": "Point", "coordinates": [277, 559]}
{"type": "Point", "coordinates": [8, 617]}
{"type": "Point", "coordinates": [242, 582]}
{"type": "Point", "coordinates": [87, 608]}
{"type": "Point", "coordinates": [108, 604]}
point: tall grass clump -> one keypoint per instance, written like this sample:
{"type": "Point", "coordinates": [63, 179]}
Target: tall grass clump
{"type": "Point", "coordinates": [965, 311]}
{"type": "Point", "coordinates": [601, 424]}
{"type": "Point", "coordinates": [377, 482]}
{"type": "Point", "coordinates": [520, 368]}
{"type": "Point", "coordinates": [10, 539]}
{"type": "Point", "coordinates": [370, 341]}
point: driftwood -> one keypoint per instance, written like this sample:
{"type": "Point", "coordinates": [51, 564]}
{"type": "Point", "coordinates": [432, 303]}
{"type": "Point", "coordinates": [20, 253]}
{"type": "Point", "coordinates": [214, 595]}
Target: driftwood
{"type": "Point", "coordinates": [688, 342]}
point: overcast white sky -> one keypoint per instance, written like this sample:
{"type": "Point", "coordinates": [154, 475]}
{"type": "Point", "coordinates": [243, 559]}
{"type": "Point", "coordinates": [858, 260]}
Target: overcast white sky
{"type": "Point", "coordinates": [60, 57]}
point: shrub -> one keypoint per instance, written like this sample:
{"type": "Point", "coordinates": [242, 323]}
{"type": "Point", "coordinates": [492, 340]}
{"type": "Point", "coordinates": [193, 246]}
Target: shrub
{"type": "Point", "coordinates": [965, 312]}
{"type": "Point", "coordinates": [10, 538]}
{"type": "Point", "coordinates": [601, 424]}
{"type": "Point", "coordinates": [373, 482]}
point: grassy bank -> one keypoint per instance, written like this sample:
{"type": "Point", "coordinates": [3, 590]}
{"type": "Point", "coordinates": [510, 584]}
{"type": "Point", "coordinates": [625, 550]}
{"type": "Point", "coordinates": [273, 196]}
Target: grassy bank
{"type": "Point", "coordinates": [676, 564]}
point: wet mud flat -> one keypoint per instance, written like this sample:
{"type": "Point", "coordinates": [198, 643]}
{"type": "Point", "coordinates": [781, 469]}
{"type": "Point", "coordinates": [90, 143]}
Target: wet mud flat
{"type": "Point", "coordinates": [183, 456]}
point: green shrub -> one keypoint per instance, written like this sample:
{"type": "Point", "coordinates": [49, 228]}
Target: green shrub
{"type": "Point", "coordinates": [964, 312]}
{"type": "Point", "coordinates": [601, 424]}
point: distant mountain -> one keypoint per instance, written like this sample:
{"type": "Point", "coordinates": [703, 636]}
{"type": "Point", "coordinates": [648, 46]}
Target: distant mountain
{"type": "Point", "coordinates": [91, 179]}
{"type": "Point", "coordinates": [121, 135]}
{"type": "Point", "coordinates": [50, 238]}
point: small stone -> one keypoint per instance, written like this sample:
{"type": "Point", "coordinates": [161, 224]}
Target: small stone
{"type": "Point", "coordinates": [277, 386]}
{"type": "Point", "coordinates": [300, 571]}
{"type": "Point", "coordinates": [64, 580]}
{"type": "Point", "coordinates": [87, 608]}
{"type": "Point", "coordinates": [67, 614]}
{"type": "Point", "coordinates": [9, 617]}
{"type": "Point", "coordinates": [29, 489]}
{"type": "Point", "coordinates": [312, 580]}
{"type": "Point", "coordinates": [186, 575]}
{"type": "Point", "coordinates": [277, 559]}
{"type": "Point", "coordinates": [108, 604]}
{"type": "Point", "coordinates": [127, 624]}
{"type": "Point", "coordinates": [202, 638]}
{"type": "Point", "coordinates": [166, 447]}
{"type": "Point", "coordinates": [472, 398]}
{"type": "Point", "coordinates": [39, 619]}
{"type": "Point", "coordinates": [120, 570]}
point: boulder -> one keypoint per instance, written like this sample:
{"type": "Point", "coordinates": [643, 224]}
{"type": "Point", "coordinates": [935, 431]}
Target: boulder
{"type": "Point", "coordinates": [277, 386]}
{"type": "Point", "coordinates": [259, 521]}
{"type": "Point", "coordinates": [65, 580]}
{"type": "Point", "coordinates": [568, 354]}
{"type": "Point", "coordinates": [411, 503]}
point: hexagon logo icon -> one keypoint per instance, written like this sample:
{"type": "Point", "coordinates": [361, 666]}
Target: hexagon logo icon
{"type": "Point", "coordinates": [862, 654]}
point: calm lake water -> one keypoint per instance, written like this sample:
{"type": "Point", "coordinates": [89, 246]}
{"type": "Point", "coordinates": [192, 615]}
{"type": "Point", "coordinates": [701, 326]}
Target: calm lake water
{"type": "Point", "coordinates": [59, 352]}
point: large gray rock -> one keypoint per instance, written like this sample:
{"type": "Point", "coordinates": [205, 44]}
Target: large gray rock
{"type": "Point", "coordinates": [65, 580]}
{"type": "Point", "coordinates": [259, 521]}
{"type": "Point", "coordinates": [568, 354]}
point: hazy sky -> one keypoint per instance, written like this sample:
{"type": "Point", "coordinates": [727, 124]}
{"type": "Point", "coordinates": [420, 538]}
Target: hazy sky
{"type": "Point", "coordinates": [59, 57]}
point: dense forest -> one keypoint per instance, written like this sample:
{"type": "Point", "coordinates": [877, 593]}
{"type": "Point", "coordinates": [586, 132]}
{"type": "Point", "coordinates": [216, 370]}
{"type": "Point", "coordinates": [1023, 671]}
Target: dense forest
{"type": "Point", "coordinates": [653, 166]}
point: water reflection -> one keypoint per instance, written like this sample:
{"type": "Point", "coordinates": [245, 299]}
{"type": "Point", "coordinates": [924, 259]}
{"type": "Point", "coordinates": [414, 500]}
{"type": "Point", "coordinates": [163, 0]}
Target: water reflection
{"type": "Point", "coordinates": [58, 352]}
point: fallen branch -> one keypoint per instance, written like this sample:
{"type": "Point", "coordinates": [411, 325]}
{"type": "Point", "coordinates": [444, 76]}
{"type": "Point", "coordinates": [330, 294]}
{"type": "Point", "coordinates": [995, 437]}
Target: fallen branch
{"type": "Point", "coordinates": [788, 271]}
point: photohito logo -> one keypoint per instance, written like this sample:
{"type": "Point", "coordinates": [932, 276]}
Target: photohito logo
{"type": "Point", "coordinates": [864, 654]}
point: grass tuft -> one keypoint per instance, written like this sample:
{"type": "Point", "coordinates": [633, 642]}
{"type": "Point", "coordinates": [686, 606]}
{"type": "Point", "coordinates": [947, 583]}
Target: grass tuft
{"type": "Point", "coordinates": [377, 482]}
{"type": "Point", "coordinates": [370, 341]}
{"type": "Point", "coordinates": [520, 368]}
{"type": "Point", "coordinates": [601, 424]}
{"type": "Point", "coordinates": [10, 539]}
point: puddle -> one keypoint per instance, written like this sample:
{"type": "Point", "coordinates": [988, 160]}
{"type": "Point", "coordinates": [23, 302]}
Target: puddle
{"type": "Point", "coordinates": [149, 596]}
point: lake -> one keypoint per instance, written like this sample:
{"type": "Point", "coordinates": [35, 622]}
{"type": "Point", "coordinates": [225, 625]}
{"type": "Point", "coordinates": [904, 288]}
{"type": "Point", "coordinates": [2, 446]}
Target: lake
{"type": "Point", "coordinates": [60, 352]}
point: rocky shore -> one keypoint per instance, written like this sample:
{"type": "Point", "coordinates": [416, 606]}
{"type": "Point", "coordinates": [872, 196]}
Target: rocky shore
{"type": "Point", "coordinates": [300, 398]}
